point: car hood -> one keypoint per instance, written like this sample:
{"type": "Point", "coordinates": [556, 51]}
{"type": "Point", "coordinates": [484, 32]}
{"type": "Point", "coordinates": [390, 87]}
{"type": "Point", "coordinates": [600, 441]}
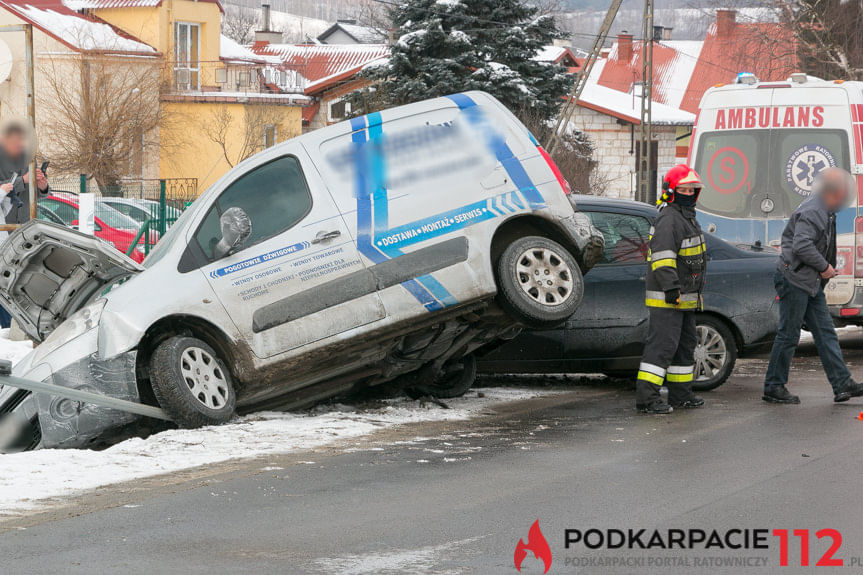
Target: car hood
{"type": "Point", "coordinates": [48, 272]}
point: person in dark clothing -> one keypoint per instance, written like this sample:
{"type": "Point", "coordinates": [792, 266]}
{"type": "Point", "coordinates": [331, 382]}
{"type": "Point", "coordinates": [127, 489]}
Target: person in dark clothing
{"type": "Point", "coordinates": [14, 161]}
{"type": "Point", "coordinates": [14, 184]}
{"type": "Point", "coordinates": [676, 264]}
{"type": "Point", "coordinates": [806, 265]}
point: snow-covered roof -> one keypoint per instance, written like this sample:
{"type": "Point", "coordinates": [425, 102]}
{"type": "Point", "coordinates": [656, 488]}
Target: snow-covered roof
{"type": "Point", "coordinates": [324, 64]}
{"type": "Point", "coordinates": [550, 53]}
{"type": "Point", "coordinates": [78, 31]}
{"type": "Point", "coordinates": [234, 52]}
{"type": "Point", "coordinates": [97, 4]}
{"type": "Point", "coordinates": [362, 34]}
{"type": "Point", "coordinates": [628, 106]}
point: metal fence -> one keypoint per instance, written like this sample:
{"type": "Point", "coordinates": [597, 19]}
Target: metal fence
{"type": "Point", "coordinates": [131, 215]}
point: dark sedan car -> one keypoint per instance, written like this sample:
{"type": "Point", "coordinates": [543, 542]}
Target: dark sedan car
{"type": "Point", "coordinates": [607, 333]}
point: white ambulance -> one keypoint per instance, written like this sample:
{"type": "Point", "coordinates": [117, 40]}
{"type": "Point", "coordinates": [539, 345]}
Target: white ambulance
{"type": "Point", "coordinates": [758, 147]}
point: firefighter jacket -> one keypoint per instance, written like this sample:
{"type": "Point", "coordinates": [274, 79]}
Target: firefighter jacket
{"type": "Point", "coordinates": [677, 258]}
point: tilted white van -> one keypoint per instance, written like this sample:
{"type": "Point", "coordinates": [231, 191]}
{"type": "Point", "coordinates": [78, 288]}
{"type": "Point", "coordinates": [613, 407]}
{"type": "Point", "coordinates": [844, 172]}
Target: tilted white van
{"type": "Point", "coordinates": [385, 248]}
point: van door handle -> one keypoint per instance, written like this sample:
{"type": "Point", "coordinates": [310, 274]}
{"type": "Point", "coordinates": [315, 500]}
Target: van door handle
{"type": "Point", "coordinates": [322, 236]}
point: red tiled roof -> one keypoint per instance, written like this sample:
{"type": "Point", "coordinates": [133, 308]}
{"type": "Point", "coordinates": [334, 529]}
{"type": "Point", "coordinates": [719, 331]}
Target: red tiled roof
{"type": "Point", "coordinates": [81, 32]}
{"type": "Point", "coordinates": [310, 111]}
{"type": "Point", "coordinates": [324, 65]}
{"type": "Point", "coordinates": [97, 4]}
{"type": "Point", "coordinates": [750, 48]}
{"type": "Point", "coordinates": [684, 70]}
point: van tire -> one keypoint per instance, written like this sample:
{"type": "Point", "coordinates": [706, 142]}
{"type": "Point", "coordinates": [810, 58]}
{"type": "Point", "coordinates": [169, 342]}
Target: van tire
{"type": "Point", "coordinates": [180, 364]}
{"type": "Point", "coordinates": [532, 303]}
{"type": "Point", "coordinates": [454, 380]}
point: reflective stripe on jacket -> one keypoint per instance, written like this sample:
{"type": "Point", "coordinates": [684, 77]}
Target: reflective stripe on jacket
{"type": "Point", "coordinates": [677, 258]}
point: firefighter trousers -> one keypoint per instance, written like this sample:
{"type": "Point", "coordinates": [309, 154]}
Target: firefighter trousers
{"type": "Point", "coordinates": [669, 357]}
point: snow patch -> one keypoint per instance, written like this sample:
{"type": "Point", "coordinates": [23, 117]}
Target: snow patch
{"type": "Point", "coordinates": [32, 476]}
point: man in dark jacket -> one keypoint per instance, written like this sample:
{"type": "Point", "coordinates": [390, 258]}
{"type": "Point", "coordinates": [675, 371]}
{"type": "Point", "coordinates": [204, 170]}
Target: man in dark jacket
{"type": "Point", "coordinates": [675, 276]}
{"type": "Point", "coordinates": [806, 265]}
{"type": "Point", "coordinates": [14, 161]}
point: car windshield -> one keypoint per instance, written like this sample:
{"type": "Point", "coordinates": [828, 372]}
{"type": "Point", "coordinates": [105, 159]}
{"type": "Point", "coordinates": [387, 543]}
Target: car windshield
{"type": "Point", "coordinates": [764, 173]}
{"type": "Point", "coordinates": [114, 218]}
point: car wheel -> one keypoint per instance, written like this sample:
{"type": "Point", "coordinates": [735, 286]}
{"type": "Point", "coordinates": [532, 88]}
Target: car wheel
{"type": "Point", "coordinates": [191, 383]}
{"type": "Point", "coordinates": [715, 353]}
{"type": "Point", "coordinates": [539, 282]}
{"type": "Point", "coordinates": [454, 380]}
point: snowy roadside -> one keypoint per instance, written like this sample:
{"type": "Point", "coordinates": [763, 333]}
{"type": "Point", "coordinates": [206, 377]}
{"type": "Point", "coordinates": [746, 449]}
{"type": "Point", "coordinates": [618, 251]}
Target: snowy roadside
{"type": "Point", "coordinates": [28, 479]}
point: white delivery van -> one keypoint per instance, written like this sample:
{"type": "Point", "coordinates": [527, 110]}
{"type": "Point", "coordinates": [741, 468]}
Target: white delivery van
{"type": "Point", "coordinates": [389, 246]}
{"type": "Point", "coordinates": [758, 147]}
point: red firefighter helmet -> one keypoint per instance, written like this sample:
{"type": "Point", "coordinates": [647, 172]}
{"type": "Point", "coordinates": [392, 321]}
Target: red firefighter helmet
{"type": "Point", "coordinates": [679, 175]}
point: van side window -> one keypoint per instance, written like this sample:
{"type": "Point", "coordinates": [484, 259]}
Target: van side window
{"type": "Point", "coordinates": [275, 196]}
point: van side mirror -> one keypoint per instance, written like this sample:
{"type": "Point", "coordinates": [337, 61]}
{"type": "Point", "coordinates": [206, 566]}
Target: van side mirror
{"type": "Point", "coordinates": [236, 229]}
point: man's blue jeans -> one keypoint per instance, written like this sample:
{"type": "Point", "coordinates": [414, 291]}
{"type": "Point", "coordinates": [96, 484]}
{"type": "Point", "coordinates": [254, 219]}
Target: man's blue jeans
{"type": "Point", "coordinates": [795, 307]}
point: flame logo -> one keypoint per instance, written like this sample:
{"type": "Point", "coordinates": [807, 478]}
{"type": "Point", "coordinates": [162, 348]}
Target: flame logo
{"type": "Point", "coordinates": [535, 542]}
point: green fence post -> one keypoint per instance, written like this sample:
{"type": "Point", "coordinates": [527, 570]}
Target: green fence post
{"type": "Point", "coordinates": [83, 184]}
{"type": "Point", "coordinates": [163, 209]}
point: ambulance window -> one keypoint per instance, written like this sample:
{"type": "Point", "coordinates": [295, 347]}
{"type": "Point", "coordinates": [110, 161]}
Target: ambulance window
{"type": "Point", "coordinates": [275, 196]}
{"type": "Point", "coordinates": [626, 237]}
{"type": "Point", "coordinates": [728, 164]}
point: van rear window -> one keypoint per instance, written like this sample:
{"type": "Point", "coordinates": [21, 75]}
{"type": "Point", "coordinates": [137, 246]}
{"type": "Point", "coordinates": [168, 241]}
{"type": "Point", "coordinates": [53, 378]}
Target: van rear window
{"type": "Point", "coordinates": [759, 173]}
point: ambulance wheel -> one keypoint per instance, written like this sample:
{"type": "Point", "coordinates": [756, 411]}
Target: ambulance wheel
{"type": "Point", "coordinates": [715, 353]}
{"type": "Point", "coordinates": [539, 282]}
{"type": "Point", "coordinates": [191, 383]}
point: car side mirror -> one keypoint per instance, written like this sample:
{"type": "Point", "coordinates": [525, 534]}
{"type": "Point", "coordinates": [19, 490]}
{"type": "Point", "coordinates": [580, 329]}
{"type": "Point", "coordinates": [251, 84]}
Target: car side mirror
{"type": "Point", "coordinates": [236, 229]}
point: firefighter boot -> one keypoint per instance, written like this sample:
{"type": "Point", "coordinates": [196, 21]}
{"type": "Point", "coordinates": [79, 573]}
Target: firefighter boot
{"type": "Point", "coordinates": [648, 400]}
{"type": "Point", "coordinates": [680, 396]}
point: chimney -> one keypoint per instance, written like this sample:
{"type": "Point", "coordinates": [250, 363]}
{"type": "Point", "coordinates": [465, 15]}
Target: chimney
{"type": "Point", "coordinates": [624, 46]}
{"type": "Point", "coordinates": [266, 35]}
{"type": "Point", "coordinates": [726, 20]}
{"type": "Point", "coordinates": [265, 17]}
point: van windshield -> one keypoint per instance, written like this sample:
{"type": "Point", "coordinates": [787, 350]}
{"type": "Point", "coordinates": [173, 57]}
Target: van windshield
{"type": "Point", "coordinates": [764, 173]}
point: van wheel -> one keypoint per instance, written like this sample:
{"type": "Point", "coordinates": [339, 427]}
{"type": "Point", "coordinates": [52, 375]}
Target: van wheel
{"type": "Point", "coordinates": [454, 379]}
{"type": "Point", "coordinates": [191, 383]}
{"type": "Point", "coordinates": [715, 353]}
{"type": "Point", "coordinates": [539, 282]}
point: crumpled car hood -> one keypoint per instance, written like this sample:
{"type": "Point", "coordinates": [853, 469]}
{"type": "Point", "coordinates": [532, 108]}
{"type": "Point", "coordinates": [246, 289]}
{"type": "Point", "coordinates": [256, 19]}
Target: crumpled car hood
{"type": "Point", "coordinates": [48, 272]}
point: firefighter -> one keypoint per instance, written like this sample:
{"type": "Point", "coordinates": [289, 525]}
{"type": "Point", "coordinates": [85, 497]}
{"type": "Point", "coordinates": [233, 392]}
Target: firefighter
{"type": "Point", "coordinates": [676, 263]}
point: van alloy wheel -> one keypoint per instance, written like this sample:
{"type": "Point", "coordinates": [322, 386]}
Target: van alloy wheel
{"type": "Point", "coordinates": [204, 377]}
{"type": "Point", "coordinates": [544, 276]}
{"type": "Point", "coordinates": [539, 283]}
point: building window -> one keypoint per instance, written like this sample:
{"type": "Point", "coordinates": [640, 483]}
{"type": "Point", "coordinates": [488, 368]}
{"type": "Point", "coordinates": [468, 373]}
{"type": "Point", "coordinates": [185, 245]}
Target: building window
{"type": "Point", "coordinates": [187, 61]}
{"type": "Point", "coordinates": [339, 110]}
{"type": "Point", "coordinates": [269, 136]}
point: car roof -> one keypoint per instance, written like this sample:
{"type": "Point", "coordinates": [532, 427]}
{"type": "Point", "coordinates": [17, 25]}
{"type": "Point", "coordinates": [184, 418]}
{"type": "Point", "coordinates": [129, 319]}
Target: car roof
{"type": "Point", "coordinates": [584, 200]}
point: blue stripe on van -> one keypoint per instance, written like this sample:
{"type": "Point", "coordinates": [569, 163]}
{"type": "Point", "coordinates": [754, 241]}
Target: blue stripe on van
{"type": "Point", "coordinates": [502, 152]}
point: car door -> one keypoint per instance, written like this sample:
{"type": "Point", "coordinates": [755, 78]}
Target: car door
{"type": "Point", "coordinates": [297, 278]}
{"type": "Point", "coordinates": [612, 319]}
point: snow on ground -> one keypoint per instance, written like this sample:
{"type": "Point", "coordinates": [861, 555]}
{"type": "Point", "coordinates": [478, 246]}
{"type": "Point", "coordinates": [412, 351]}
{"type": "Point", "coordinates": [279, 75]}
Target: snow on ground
{"type": "Point", "coordinates": [29, 477]}
{"type": "Point", "coordinates": [13, 350]}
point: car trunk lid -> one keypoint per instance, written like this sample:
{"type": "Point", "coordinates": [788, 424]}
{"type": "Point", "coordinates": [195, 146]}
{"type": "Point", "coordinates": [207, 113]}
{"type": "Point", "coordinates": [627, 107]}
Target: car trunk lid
{"type": "Point", "coordinates": [48, 272]}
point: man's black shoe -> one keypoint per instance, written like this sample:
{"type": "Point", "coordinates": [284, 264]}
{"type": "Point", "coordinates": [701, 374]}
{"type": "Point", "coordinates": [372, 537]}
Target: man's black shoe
{"type": "Point", "coordinates": [658, 408]}
{"type": "Point", "coordinates": [851, 389]}
{"type": "Point", "coordinates": [779, 394]}
{"type": "Point", "coordinates": [691, 403]}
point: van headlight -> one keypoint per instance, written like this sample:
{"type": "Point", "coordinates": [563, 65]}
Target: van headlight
{"type": "Point", "coordinates": [76, 324]}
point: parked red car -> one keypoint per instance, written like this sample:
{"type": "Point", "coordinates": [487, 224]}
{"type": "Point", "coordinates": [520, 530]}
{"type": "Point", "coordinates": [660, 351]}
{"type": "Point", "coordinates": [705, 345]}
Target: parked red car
{"type": "Point", "coordinates": [110, 225]}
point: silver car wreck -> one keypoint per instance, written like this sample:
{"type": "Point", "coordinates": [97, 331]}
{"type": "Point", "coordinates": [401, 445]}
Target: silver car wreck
{"type": "Point", "coordinates": [381, 251]}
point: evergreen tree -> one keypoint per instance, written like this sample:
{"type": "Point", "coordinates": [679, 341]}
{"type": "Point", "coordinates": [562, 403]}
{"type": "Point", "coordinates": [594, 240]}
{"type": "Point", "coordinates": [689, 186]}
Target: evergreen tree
{"type": "Point", "coordinates": [448, 46]}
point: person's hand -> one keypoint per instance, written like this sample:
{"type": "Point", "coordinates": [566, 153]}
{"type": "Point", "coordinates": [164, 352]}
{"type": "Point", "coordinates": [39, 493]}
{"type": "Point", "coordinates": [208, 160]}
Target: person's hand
{"type": "Point", "coordinates": [828, 273]}
{"type": "Point", "coordinates": [6, 188]}
{"type": "Point", "coordinates": [41, 180]}
{"type": "Point", "coordinates": [672, 296]}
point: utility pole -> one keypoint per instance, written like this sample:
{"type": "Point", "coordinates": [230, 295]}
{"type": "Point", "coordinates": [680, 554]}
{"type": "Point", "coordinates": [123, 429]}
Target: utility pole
{"type": "Point", "coordinates": [646, 190]}
{"type": "Point", "coordinates": [581, 78]}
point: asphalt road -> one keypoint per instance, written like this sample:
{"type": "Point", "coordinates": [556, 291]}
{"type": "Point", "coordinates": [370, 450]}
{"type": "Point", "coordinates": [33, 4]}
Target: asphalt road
{"type": "Point", "coordinates": [456, 497]}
